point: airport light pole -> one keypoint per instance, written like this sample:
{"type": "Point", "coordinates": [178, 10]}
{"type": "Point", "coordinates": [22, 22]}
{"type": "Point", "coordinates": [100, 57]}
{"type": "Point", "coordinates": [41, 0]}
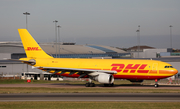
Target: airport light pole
{"type": "Point", "coordinates": [171, 35]}
{"type": "Point", "coordinates": [26, 13]}
{"type": "Point", "coordinates": [138, 39]}
{"type": "Point", "coordinates": [55, 21]}
{"type": "Point", "coordinates": [59, 38]}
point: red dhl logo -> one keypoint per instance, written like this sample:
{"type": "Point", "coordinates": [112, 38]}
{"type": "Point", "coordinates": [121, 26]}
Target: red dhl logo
{"type": "Point", "coordinates": [132, 68]}
{"type": "Point", "coordinates": [33, 49]}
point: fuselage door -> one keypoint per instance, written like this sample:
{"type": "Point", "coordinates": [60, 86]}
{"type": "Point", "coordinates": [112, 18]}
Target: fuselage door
{"type": "Point", "coordinates": [155, 67]}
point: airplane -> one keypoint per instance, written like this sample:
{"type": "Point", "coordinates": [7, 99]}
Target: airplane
{"type": "Point", "coordinates": [101, 70]}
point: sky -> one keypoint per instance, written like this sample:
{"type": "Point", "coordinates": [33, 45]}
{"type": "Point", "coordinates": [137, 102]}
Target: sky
{"type": "Point", "coordinates": [103, 22]}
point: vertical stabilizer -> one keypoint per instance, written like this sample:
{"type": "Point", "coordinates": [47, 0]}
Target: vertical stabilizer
{"type": "Point", "coordinates": [31, 47]}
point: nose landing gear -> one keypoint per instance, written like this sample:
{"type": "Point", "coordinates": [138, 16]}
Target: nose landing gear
{"type": "Point", "coordinates": [156, 83]}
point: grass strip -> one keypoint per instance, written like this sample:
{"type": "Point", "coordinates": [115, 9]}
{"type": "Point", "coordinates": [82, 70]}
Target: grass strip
{"type": "Point", "coordinates": [20, 81]}
{"type": "Point", "coordinates": [8, 90]}
{"type": "Point", "coordinates": [89, 105]}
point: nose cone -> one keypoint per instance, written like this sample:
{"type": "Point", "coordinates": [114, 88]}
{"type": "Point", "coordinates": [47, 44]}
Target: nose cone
{"type": "Point", "coordinates": [169, 72]}
{"type": "Point", "coordinates": [175, 71]}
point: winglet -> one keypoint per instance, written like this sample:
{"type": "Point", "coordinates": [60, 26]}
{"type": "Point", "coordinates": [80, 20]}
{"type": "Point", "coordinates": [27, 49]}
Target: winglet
{"type": "Point", "coordinates": [31, 47]}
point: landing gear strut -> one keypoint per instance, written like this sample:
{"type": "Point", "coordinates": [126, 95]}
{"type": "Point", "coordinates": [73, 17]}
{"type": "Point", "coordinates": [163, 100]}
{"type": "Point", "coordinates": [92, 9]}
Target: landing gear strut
{"type": "Point", "coordinates": [156, 83]}
{"type": "Point", "coordinates": [90, 84]}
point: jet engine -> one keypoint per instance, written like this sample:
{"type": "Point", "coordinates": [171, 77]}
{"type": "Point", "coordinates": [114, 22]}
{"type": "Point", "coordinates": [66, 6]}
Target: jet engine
{"type": "Point", "coordinates": [104, 78]}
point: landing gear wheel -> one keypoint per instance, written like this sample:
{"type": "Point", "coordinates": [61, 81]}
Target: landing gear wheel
{"type": "Point", "coordinates": [87, 84]}
{"type": "Point", "coordinates": [156, 85]}
{"type": "Point", "coordinates": [90, 85]}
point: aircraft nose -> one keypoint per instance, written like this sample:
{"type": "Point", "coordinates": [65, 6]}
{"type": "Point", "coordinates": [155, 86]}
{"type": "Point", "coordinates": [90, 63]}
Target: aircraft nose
{"type": "Point", "coordinates": [169, 72]}
{"type": "Point", "coordinates": [173, 72]}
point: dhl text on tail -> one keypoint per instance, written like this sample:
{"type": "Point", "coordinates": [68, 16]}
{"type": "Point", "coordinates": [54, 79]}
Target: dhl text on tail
{"type": "Point", "coordinates": [102, 70]}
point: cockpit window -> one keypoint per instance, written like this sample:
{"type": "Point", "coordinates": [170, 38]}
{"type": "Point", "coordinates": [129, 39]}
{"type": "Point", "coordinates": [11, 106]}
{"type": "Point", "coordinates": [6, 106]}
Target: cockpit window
{"type": "Point", "coordinates": [168, 67]}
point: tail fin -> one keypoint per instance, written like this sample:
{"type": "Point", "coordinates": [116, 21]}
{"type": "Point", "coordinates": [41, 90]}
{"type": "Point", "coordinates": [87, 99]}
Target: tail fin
{"type": "Point", "coordinates": [31, 47]}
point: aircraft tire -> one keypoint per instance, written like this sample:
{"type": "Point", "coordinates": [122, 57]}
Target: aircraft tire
{"type": "Point", "coordinates": [156, 85]}
{"type": "Point", "coordinates": [87, 84]}
{"type": "Point", "coordinates": [92, 85]}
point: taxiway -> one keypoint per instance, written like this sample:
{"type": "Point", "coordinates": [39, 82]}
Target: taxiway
{"type": "Point", "coordinates": [133, 97]}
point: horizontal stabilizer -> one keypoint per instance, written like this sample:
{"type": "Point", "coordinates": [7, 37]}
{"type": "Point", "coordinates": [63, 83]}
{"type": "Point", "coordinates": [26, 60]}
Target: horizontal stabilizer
{"type": "Point", "coordinates": [23, 61]}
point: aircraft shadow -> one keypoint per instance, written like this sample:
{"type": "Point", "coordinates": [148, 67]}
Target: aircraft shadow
{"type": "Point", "coordinates": [115, 85]}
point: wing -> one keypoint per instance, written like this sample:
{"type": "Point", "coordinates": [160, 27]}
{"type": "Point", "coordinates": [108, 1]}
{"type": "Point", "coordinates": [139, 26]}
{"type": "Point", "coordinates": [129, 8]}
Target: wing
{"type": "Point", "coordinates": [81, 72]}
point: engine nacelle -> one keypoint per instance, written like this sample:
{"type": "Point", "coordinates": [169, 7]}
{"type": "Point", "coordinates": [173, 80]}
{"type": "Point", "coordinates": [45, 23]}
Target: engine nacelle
{"type": "Point", "coordinates": [105, 78]}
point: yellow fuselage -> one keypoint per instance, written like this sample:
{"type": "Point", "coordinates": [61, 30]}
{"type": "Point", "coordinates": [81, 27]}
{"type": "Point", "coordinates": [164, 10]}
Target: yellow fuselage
{"type": "Point", "coordinates": [126, 69]}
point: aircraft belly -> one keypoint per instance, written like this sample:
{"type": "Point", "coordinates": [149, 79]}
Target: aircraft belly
{"type": "Point", "coordinates": [143, 77]}
{"type": "Point", "coordinates": [72, 76]}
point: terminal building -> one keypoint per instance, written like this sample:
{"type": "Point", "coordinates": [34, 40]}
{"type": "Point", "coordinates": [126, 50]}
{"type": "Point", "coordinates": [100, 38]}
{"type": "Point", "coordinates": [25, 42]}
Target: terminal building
{"type": "Point", "coordinates": [151, 52]}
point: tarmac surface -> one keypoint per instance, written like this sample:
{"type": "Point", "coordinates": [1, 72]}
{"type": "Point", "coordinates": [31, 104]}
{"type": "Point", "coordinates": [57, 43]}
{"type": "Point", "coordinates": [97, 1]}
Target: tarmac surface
{"type": "Point", "coordinates": [66, 85]}
{"type": "Point", "coordinates": [125, 97]}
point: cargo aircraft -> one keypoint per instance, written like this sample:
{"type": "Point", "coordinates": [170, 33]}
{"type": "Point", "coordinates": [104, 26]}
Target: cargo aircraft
{"type": "Point", "coordinates": [102, 70]}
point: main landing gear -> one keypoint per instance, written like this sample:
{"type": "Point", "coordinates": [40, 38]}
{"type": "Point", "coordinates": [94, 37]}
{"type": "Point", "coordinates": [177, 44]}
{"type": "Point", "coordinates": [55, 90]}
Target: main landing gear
{"type": "Point", "coordinates": [90, 84]}
{"type": "Point", "coordinates": [156, 83]}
